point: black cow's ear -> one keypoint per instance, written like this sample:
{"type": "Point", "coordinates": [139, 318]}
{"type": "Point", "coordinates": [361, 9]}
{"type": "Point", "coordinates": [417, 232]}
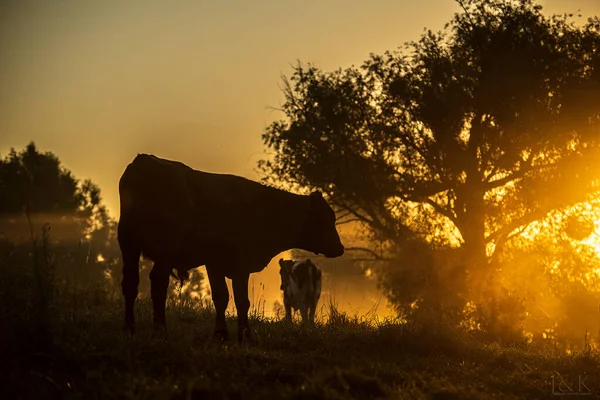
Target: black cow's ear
{"type": "Point", "coordinates": [281, 263]}
{"type": "Point", "coordinates": [316, 194]}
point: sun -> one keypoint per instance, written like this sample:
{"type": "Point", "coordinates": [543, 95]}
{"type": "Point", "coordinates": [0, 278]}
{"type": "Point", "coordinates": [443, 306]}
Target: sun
{"type": "Point", "coordinates": [594, 239]}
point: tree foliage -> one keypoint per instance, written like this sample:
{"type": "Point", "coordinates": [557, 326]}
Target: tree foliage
{"type": "Point", "coordinates": [462, 138]}
{"type": "Point", "coordinates": [36, 182]}
{"type": "Point", "coordinates": [37, 191]}
{"type": "Point", "coordinates": [34, 179]}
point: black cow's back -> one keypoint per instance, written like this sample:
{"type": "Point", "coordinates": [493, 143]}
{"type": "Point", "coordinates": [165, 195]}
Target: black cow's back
{"type": "Point", "coordinates": [193, 217]}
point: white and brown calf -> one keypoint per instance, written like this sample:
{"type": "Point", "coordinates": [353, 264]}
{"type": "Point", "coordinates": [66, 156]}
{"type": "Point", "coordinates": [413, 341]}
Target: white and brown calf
{"type": "Point", "coordinates": [301, 285]}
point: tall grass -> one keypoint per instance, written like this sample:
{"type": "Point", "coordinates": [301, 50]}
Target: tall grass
{"type": "Point", "coordinates": [44, 272]}
{"type": "Point", "coordinates": [70, 345]}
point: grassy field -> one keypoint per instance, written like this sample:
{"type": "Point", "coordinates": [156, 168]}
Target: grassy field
{"type": "Point", "coordinates": [75, 349]}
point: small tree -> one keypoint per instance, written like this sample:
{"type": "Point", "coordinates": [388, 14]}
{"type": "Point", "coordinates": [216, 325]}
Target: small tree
{"type": "Point", "coordinates": [34, 180]}
{"type": "Point", "coordinates": [35, 188]}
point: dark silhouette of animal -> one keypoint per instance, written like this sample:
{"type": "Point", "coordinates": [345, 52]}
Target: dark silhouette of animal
{"type": "Point", "coordinates": [301, 285]}
{"type": "Point", "coordinates": [182, 218]}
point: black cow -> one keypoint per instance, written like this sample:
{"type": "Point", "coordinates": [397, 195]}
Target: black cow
{"type": "Point", "coordinates": [182, 218]}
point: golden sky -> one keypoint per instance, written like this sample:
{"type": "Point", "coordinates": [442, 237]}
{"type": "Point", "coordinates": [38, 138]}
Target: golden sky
{"type": "Point", "coordinates": [97, 82]}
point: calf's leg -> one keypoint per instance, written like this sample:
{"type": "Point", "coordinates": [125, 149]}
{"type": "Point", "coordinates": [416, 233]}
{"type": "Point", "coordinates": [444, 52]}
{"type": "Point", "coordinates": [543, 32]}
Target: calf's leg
{"type": "Point", "coordinates": [304, 313]}
{"type": "Point", "coordinates": [288, 309]}
{"type": "Point", "coordinates": [242, 305]}
{"type": "Point", "coordinates": [159, 285]}
{"type": "Point", "coordinates": [311, 314]}
{"type": "Point", "coordinates": [220, 297]}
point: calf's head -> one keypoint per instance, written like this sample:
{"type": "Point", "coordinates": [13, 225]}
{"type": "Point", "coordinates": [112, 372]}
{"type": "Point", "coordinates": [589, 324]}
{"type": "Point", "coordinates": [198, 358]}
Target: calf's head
{"type": "Point", "coordinates": [303, 272]}
{"type": "Point", "coordinates": [285, 270]}
{"type": "Point", "coordinates": [320, 234]}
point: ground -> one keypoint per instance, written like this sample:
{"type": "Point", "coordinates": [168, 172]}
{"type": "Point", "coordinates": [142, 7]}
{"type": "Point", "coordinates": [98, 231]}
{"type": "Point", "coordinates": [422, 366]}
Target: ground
{"type": "Point", "coordinates": [81, 352]}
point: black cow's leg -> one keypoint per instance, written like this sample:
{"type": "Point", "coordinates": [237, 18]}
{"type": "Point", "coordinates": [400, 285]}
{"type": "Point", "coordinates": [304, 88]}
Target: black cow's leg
{"type": "Point", "coordinates": [220, 296]}
{"type": "Point", "coordinates": [242, 305]}
{"type": "Point", "coordinates": [159, 284]}
{"type": "Point", "coordinates": [129, 284]}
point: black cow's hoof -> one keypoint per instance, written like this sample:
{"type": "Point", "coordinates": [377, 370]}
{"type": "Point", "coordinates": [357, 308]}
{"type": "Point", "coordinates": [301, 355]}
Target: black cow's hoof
{"type": "Point", "coordinates": [245, 335]}
{"type": "Point", "coordinates": [128, 328]}
{"type": "Point", "coordinates": [221, 335]}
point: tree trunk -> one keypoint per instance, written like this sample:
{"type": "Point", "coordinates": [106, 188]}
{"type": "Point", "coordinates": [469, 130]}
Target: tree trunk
{"type": "Point", "coordinates": [479, 274]}
{"type": "Point", "coordinates": [474, 241]}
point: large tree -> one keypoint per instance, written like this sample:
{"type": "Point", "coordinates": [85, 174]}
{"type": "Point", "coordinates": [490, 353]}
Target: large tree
{"type": "Point", "coordinates": [463, 137]}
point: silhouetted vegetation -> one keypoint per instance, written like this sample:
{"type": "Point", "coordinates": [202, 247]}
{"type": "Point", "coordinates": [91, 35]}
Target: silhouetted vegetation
{"type": "Point", "coordinates": [37, 193]}
{"type": "Point", "coordinates": [463, 168]}
{"type": "Point", "coordinates": [459, 152]}
{"type": "Point", "coordinates": [88, 356]}
{"type": "Point", "coordinates": [56, 240]}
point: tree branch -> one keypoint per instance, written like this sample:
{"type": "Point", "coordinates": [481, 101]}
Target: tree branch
{"type": "Point", "coordinates": [464, 7]}
{"type": "Point", "coordinates": [527, 167]}
{"type": "Point", "coordinates": [344, 215]}
{"type": "Point", "coordinates": [369, 260]}
{"type": "Point", "coordinates": [516, 175]}
{"type": "Point", "coordinates": [516, 223]}
{"type": "Point", "coordinates": [503, 181]}
{"type": "Point", "coordinates": [375, 255]}
{"type": "Point", "coordinates": [407, 140]}
{"type": "Point", "coordinates": [348, 221]}
{"type": "Point", "coordinates": [419, 195]}
{"type": "Point", "coordinates": [441, 210]}
{"type": "Point", "coordinates": [341, 204]}
{"type": "Point", "coordinates": [494, 171]}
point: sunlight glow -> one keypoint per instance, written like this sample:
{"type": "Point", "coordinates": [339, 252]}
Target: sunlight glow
{"type": "Point", "coordinates": [594, 241]}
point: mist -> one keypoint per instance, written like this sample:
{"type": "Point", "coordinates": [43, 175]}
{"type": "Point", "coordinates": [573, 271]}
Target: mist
{"type": "Point", "coordinates": [455, 141]}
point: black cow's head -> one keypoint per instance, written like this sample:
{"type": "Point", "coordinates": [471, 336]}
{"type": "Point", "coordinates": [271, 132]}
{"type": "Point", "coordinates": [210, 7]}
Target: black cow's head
{"type": "Point", "coordinates": [320, 234]}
